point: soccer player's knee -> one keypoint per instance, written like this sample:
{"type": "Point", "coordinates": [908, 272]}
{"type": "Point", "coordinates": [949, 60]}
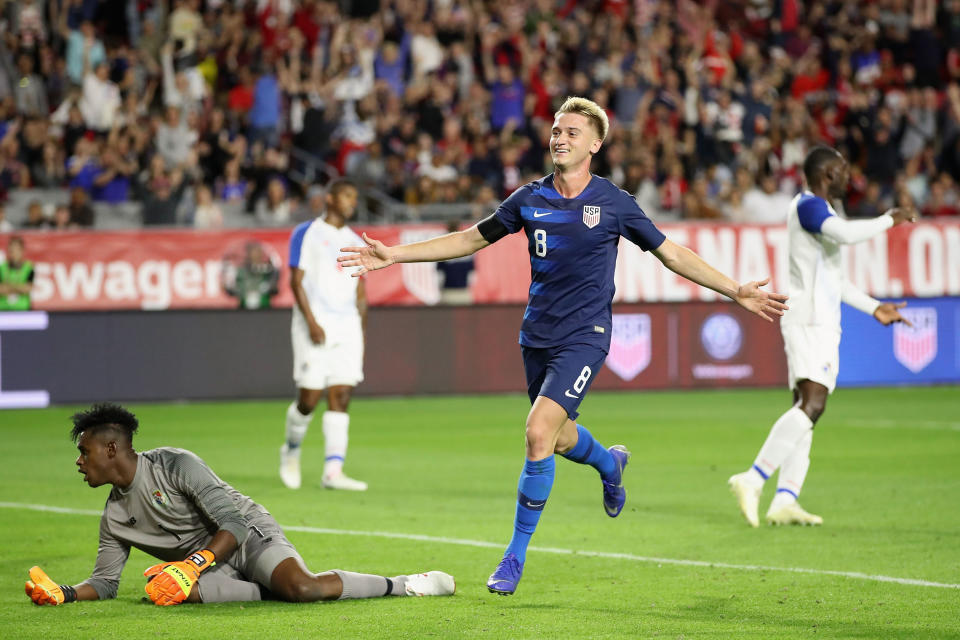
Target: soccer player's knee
{"type": "Point", "coordinates": [301, 590]}
{"type": "Point", "coordinates": [814, 407]}
{"type": "Point", "coordinates": [538, 432]}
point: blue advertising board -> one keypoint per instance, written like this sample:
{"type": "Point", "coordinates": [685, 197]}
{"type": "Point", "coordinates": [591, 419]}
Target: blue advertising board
{"type": "Point", "coordinates": [927, 353]}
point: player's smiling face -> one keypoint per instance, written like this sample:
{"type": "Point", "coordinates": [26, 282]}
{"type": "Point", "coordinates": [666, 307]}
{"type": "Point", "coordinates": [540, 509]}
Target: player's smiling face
{"type": "Point", "coordinates": [573, 140]}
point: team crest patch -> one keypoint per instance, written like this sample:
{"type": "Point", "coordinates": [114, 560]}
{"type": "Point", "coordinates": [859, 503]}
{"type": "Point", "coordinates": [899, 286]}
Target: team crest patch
{"type": "Point", "coordinates": [630, 345]}
{"type": "Point", "coordinates": [591, 216]}
{"type": "Point", "coordinates": [915, 347]}
{"type": "Point", "coordinates": [160, 498]}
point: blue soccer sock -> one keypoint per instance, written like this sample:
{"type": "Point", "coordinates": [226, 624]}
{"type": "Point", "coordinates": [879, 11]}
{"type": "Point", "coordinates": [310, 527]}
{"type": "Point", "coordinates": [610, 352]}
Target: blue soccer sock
{"type": "Point", "coordinates": [589, 451]}
{"type": "Point", "coordinates": [536, 480]}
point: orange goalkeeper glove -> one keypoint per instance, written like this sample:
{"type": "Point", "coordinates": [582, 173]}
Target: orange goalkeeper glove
{"type": "Point", "coordinates": [171, 582]}
{"type": "Point", "coordinates": [43, 590]}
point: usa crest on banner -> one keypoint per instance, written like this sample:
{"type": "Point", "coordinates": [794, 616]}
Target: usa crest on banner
{"type": "Point", "coordinates": [420, 278]}
{"type": "Point", "coordinates": [915, 347]}
{"type": "Point", "coordinates": [630, 344]}
{"type": "Point", "coordinates": [591, 216]}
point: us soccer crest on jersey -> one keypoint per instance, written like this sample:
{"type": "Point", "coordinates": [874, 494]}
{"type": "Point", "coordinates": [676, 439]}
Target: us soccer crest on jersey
{"type": "Point", "coordinates": [591, 216]}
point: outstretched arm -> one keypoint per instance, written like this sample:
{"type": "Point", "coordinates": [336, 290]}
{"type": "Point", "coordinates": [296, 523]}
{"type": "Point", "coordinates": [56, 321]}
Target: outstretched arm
{"type": "Point", "coordinates": [686, 263]}
{"type": "Point", "coordinates": [852, 231]}
{"type": "Point", "coordinates": [376, 255]}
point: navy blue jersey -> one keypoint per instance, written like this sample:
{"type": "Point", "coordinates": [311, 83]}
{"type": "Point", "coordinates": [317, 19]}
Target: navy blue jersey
{"type": "Point", "coordinates": [573, 252]}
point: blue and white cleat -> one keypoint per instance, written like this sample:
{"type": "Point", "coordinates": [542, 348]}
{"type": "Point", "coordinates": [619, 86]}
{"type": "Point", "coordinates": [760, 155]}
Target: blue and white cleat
{"type": "Point", "coordinates": [614, 495]}
{"type": "Point", "coordinates": [504, 580]}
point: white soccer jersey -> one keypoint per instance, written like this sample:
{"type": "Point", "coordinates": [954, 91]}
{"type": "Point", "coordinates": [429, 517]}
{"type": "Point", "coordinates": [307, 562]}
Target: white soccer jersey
{"type": "Point", "coordinates": [818, 281]}
{"type": "Point", "coordinates": [816, 266]}
{"type": "Point", "coordinates": [330, 289]}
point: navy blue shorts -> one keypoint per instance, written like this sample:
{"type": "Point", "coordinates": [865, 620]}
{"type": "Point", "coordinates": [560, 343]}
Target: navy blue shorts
{"type": "Point", "coordinates": [563, 374]}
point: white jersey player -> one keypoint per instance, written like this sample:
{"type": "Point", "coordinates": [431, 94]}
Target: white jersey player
{"type": "Point", "coordinates": [329, 321]}
{"type": "Point", "coordinates": [811, 332]}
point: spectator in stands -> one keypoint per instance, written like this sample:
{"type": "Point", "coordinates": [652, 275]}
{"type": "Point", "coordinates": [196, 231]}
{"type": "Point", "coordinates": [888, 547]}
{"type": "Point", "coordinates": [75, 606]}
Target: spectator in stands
{"type": "Point", "coordinates": [100, 100]}
{"type": "Point", "coordinates": [13, 173]}
{"type": "Point", "coordinates": [30, 91]}
{"type": "Point", "coordinates": [118, 167]}
{"type": "Point", "coordinates": [208, 214]}
{"type": "Point", "coordinates": [233, 188]}
{"type": "Point", "coordinates": [81, 213]}
{"type": "Point", "coordinates": [16, 277]}
{"type": "Point", "coordinates": [871, 204]}
{"type": "Point", "coordinates": [276, 208]}
{"type": "Point", "coordinates": [37, 219]}
{"type": "Point", "coordinates": [61, 219]}
{"type": "Point", "coordinates": [175, 139]}
{"type": "Point", "coordinates": [160, 191]}
{"type": "Point", "coordinates": [84, 49]}
{"type": "Point", "coordinates": [49, 171]}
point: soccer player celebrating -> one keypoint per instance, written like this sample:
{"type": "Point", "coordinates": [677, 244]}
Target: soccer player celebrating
{"type": "Point", "coordinates": [811, 332]}
{"type": "Point", "coordinates": [573, 221]}
{"type": "Point", "coordinates": [215, 544]}
{"type": "Point", "coordinates": [328, 328]}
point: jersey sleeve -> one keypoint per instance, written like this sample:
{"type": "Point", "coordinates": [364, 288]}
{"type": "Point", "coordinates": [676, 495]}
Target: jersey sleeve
{"type": "Point", "coordinates": [852, 231]}
{"type": "Point", "coordinates": [111, 557]}
{"type": "Point", "coordinates": [636, 227]}
{"type": "Point", "coordinates": [508, 213]}
{"type": "Point", "coordinates": [296, 245]}
{"type": "Point", "coordinates": [194, 479]}
{"type": "Point", "coordinates": [812, 212]}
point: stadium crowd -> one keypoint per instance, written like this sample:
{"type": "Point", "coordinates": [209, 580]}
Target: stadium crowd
{"type": "Point", "coordinates": [188, 107]}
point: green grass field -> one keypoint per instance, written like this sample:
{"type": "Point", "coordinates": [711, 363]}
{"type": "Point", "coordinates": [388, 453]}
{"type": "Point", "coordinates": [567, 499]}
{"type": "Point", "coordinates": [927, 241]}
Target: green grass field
{"type": "Point", "coordinates": [885, 475]}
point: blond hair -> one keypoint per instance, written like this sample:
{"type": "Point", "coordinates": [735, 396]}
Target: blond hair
{"type": "Point", "coordinates": [589, 110]}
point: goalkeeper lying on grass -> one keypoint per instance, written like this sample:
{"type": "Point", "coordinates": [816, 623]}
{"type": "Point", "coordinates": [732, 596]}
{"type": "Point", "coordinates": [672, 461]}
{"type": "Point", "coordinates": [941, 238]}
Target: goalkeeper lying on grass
{"type": "Point", "coordinates": [216, 545]}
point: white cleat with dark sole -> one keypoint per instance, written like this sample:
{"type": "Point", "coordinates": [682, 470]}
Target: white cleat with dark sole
{"type": "Point", "coordinates": [289, 468]}
{"type": "Point", "coordinates": [344, 483]}
{"type": "Point", "coordinates": [792, 513]}
{"type": "Point", "coordinates": [431, 583]}
{"type": "Point", "coordinates": [748, 497]}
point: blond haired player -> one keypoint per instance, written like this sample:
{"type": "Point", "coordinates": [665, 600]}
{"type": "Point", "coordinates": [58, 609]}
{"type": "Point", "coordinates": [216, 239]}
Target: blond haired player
{"type": "Point", "coordinates": [573, 221]}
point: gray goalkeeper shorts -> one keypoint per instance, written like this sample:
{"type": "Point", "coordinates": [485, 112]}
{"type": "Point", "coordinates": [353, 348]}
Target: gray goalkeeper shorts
{"type": "Point", "coordinates": [266, 547]}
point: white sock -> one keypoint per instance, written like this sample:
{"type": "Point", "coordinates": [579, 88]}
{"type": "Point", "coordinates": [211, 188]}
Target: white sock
{"type": "Point", "coordinates": [297, 425]}
{"type": "Point", "coordinates": [793, 471]}
{"type": "Point", "coordinates": [784, 436]}
{"type": "Point", "coordinates": [335, 427]}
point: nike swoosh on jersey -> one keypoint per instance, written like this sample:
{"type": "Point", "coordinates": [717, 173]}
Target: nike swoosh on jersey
{"type": "Point", "coordinates": [570, 395]}
{"type": "Point", "coordinates": [540, 215]}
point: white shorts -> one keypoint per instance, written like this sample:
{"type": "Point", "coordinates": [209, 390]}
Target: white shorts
{"type": "Point", "coordinates": [813, 353]}
{"type": "Point", "coordinates": [338, 361]}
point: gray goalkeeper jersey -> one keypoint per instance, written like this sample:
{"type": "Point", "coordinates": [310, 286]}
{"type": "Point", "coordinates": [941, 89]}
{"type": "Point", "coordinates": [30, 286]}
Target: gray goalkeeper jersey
{"type": "Point", "coordinates": [173, 507]}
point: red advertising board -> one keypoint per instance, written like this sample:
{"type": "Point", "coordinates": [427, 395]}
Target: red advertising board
{"type": "Point", "coordinates": [183, 268]}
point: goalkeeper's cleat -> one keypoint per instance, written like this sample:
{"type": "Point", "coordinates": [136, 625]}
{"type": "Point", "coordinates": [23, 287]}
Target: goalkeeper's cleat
{"type": "Point", "coordinates": [614, 495]}
{"type": "Point", "coordinates": [431, 583]}
{"type": "Point", "coordinates": [792, 513]}
{"type": "Point", "coordinates": [290, 467]}
{"type": "Point", "coordinates": [748, 497]}
{"type": "Point", "coordinates": [343, 482]}
{"type": "Point", "coordinates": [504, 579]}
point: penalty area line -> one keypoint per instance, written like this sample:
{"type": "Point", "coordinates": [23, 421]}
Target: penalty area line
{"type": "Point", "coordinates": [856, 575]}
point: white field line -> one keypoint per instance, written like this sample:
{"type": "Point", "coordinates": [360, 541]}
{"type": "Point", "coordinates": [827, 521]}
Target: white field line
{"type": "Point", "coordinates": [857, 575]}
{"type": "Point", "coordinates": [930, 425]}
